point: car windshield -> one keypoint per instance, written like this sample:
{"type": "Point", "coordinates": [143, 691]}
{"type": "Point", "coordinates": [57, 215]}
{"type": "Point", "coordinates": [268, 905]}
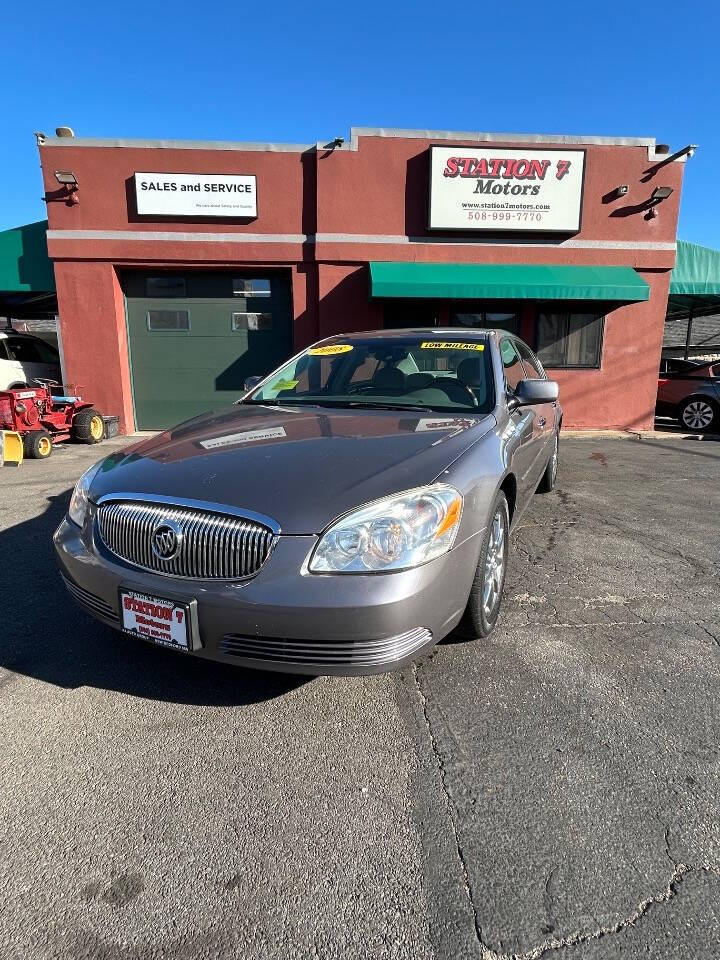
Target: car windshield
{"type": "Point", "coordinates": [408, 373]}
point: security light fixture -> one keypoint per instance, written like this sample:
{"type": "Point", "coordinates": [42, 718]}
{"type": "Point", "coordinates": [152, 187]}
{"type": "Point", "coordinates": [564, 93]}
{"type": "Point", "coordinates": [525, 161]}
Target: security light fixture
{"type": "Point", "coordinates": [621, 190]}
{"type": "Point", "coordinates": [337, 142]}
{"type": "Point", "coordinates": [67, 178]}
{"type": "Point", "coordinates": [661, 193]}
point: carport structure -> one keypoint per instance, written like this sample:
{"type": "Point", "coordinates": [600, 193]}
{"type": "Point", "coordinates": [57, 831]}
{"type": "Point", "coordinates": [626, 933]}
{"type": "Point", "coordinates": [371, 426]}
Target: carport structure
{"type": "Point", "coordinates": [27, 279]}
{"type": "Point", "coordinates": [694, 286]}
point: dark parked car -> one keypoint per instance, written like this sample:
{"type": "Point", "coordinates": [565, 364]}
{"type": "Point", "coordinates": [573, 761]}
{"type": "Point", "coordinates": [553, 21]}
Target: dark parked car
{"type": "Point", "coordinates": [349, 512]}
{"type": "Point", "coordinates": [689, 392]}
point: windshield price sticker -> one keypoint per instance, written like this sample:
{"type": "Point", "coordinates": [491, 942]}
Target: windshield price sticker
{"type": "Point", "coordinates": [442, 345]}
{"type": "Point", "coordinates": [330, 350]}
{"type": "Point", "coordinates": [284, 384]}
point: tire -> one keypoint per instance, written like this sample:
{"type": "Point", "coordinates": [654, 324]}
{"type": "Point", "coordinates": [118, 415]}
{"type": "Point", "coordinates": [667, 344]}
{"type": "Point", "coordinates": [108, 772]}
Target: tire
{"type": "Point", "coordinates": [37, 445]}
{"type": "Point", "coordinates": [88, 426]}
{"type": "Point", "coordinates": [485, 600]}
{"type": "Point", "coordinates": [699, 414]}
{"type": "Point", "coordinates": [547, 481]}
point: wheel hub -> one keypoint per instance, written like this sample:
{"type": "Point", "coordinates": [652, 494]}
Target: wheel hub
{"type": "Point", "coordinates": [697, 415]}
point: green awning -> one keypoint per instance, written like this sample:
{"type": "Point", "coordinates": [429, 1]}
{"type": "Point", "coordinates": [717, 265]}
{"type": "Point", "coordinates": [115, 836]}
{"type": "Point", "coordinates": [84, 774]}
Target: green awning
{"type": "Point", "coordinates": [24, 263]}
{"type": "Point", "coordinates": [488, 281]}
{"type": "Point", "coordinates": [696, 271]}
{"type": "Point", "coordinates": [694, 282]}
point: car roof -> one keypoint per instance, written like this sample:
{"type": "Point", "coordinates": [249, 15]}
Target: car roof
{"type": "Point", "coordinates": [431, 333]}
{"type": "Point", "coordinates": [4, 334]}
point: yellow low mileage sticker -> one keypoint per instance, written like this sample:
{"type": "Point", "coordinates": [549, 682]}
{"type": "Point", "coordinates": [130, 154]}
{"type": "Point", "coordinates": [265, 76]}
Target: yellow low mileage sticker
{"type": "Point", "coordinates": [443, 345]}
{"type": "Point", "coordinates": [330, 350]}
{"type": "Point", "coordinates": [284, 384]}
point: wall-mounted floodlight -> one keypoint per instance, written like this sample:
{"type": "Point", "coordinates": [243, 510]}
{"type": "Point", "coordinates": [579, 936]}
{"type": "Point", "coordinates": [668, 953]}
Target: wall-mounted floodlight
{"type": "Point", "coordinates": [66, 177]}
{"type": "Point", "coordinates": [661, 193]}
{"type": "Point", "coordinates": [621, 190]}
{"type": "Point", "coordinates": [689, 150]}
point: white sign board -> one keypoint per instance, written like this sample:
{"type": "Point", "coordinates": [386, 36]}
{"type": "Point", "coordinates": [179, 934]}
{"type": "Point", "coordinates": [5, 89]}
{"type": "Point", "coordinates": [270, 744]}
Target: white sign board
{"type": "Point", "coordinates": [493, 188]}
{"type": "Point", "coordinates": [195, 195]}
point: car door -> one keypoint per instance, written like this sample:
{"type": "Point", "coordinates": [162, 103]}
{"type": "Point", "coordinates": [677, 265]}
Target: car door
{"type": "Point", "coordinates": [523, 422]}
{"type": "Point", "coordinates": [546, 420]}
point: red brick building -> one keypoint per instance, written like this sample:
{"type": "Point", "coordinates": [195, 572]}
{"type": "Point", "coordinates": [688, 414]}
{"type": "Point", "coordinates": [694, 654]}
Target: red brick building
{"type": "Point", "coordinates": [182, 267]}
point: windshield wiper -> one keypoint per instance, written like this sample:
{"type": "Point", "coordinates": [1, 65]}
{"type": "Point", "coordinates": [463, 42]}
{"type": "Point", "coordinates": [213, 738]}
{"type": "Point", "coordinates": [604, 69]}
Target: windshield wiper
{"type": "Point", "coordinates": [384, 406]}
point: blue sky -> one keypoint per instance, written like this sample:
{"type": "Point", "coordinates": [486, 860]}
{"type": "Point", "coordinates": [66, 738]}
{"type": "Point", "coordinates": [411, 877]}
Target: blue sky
{"type": "Point", "coordinates": [307, 71]}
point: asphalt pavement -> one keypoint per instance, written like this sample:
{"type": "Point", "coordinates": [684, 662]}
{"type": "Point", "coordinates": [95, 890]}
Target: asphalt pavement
{"type": "Point", "coordinates": [550, 791]}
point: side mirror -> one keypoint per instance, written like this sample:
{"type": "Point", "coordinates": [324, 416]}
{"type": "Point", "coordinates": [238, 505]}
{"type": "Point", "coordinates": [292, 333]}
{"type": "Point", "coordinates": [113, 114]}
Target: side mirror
{"type": "Point", "coordinates": [529, 392]}
{"type": "Point", "coordinates": [251, 383]}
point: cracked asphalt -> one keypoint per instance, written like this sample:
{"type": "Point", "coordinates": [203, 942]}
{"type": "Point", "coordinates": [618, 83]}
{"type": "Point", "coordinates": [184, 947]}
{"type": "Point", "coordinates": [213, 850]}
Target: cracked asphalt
{"type": "Point", "coordinates": [550, 791]}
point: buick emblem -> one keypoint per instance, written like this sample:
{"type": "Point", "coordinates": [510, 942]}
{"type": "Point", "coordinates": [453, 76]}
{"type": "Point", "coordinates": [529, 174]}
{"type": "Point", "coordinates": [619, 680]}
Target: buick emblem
{"type": "Point", "coordinates": [166, 539]}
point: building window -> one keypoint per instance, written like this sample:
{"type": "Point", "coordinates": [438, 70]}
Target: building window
{"type": "Point", "coordinates": [251, 288]}
{"type": "Point", "coordinates": [565, 339]}
{"type": "Point", "coordinates": [170, 286]}
{"type": "Point", "coordinates": [159, 321]}
{"type": "Point", "coordinates": [251, 321]}
{"type": "Point", "coordinates": [490, 320]}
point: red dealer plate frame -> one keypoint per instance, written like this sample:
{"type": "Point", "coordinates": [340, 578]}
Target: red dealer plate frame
{"type": "Point", "coordinates": [177, 632]}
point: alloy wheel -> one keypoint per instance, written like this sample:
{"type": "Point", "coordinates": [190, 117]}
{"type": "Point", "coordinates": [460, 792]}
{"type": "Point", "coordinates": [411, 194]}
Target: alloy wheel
{"type": "Point", "coordinates": [698, 415]}
{"type": "Point", "coordinates": [495, 560]}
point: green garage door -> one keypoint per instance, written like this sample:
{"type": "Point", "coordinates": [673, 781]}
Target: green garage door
{"type": "Point", "coordinates": [195, 337]}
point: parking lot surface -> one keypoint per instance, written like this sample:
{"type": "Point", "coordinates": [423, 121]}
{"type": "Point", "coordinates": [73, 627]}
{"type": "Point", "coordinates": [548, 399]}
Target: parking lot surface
{"type": "Point", "coordinates": [550, 791]}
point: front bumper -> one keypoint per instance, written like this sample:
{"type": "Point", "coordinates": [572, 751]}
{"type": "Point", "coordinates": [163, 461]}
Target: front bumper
{"type": "Point", "coordinates": [283, 619]}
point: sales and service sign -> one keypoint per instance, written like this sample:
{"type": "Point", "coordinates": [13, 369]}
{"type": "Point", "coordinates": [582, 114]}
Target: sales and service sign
{"type": "Point", "coordinates": [195, 195]}
{"type": "Point", "coordinates": [492, 188]}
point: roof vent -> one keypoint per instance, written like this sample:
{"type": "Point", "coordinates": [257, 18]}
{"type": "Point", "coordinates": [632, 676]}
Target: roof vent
{"type": "Point", "coordinates": [64, 132]}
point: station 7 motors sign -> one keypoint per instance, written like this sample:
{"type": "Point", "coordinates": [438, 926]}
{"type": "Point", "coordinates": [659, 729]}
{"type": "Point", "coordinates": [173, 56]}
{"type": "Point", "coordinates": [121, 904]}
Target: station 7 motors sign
{"type": "Point", "coordinates": [512, 190]}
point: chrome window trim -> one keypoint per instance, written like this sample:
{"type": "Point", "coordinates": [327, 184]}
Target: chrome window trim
{"type": "Point", "coordinates": [221, 508]}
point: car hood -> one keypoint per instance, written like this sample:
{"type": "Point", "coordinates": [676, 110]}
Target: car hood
{"type": "Point", "coordinates": [302, 467]}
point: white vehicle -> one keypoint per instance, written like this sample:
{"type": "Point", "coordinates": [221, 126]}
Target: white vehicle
{"type": "Point", "coordinates": [24, 358]}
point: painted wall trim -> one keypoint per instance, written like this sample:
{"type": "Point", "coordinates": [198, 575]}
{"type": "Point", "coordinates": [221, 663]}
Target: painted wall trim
{"type": "Point", "coordinates": [246, 145]}
{"type": "Point", "coordinates": [177, 237]}
{"type": "Point", "coordinates": [500, 137]}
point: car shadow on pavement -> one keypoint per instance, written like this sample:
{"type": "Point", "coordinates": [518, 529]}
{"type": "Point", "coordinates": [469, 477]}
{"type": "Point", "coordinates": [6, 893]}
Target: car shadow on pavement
{"type": "Point", "coordinates": [45, 635]}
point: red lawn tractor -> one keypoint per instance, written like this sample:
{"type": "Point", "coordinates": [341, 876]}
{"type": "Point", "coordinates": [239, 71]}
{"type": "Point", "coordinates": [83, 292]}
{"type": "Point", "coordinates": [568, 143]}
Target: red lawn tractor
{"type": "Point", "coordinates": [48, 414]}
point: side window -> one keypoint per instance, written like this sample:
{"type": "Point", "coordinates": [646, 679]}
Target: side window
{"type": "Point", "coordinates": [30, 351]}
{"type": "Point", "coordinates": [512, 364]}
{"type": "Point", "coordinates": [530, 362]}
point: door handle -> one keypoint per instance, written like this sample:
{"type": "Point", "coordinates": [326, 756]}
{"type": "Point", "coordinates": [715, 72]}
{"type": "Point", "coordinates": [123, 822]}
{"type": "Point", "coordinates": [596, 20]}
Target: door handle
{"type": "Point", "coordinates": [542, 421]}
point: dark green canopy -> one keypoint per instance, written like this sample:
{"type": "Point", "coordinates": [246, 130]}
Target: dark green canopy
{"type": "Point", "coordinates": [27, 279]}
{"type": "Point", "coordinates": [480, 281]}
{"type": "Point", "coordinates": [695, 281]}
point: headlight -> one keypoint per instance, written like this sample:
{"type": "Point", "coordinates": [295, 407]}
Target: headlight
{"type": "Point", "coordinates": [392, 534]}
{"type": "Point", "coordinates": [79, 500]}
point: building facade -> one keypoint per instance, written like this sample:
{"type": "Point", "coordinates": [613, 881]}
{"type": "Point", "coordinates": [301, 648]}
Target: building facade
{"type": "Point", "coordinates": [183, 267]}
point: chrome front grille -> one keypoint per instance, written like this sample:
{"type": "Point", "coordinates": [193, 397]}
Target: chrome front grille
{"type": "Point", "coordinates": [211, 546]}
{"type": "Point", "coordinates": [359, 653]}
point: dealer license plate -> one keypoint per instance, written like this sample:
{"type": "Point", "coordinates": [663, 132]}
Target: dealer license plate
{"type": "Point", "coordinates": [163, 621]}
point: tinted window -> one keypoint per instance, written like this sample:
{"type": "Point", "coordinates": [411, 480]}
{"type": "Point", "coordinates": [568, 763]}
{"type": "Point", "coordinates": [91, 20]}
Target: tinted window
{"type": "Point", "coordinates": [532, 365]}
{"type": "Point", "coordinates": [30, 351]}
{"type": "Point", "coordinates": [167, 320]}
{"type": "Point", "coordinates": [251, 321]}
{"type": "Point", "coordinates": [512, 365]}
{"type": "Point", "coordinates": [169, 286]}
{"type": "Point", "coordinates": [569, 339]}
{"type": "Point", "coordinates": [252, 288]}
